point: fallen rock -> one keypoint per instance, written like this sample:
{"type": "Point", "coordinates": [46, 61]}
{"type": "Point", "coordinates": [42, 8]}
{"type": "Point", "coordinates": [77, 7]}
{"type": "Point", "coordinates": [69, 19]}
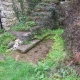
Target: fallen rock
{"type": "Point", "coordinates": [10, 45]}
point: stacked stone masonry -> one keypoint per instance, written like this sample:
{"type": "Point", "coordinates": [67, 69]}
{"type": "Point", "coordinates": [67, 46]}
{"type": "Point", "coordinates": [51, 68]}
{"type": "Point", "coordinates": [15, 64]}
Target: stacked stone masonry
{"type": "Point", "coordinates": [8, 17]}
{"type": "Point", "coordinates": [7, 14]}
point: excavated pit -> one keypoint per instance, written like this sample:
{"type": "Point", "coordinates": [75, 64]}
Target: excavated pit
{"type": "Point", "coordinates": [38, 53]}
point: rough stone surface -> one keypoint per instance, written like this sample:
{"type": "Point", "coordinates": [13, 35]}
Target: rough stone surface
{"type": "Point", "coordinates": [8, 17]}
{"type": "Point", "coordinates": [35, 29]}
{"type": "Point", "coordinates": [42, 10]}
{"type": "Point", "coordinates": [25, 48]}
{"type": "Point", "coordinates": [8, 11]}
{"type": "Point", "coordinates": [44, 14]}
{"type": "Point", "coordinates": [23, 36]}
{"type": "Point", "coordinates": [10, 45]}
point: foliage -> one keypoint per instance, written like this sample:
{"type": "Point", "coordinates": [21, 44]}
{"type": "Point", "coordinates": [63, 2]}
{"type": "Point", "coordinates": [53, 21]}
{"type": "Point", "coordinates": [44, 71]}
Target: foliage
{"type": "Point", "coordinates": [22, 12]}
{"type": "Point", "coordinates": [5, 38]}
{"type": "Point", "coordinates": [32, 3]}
{"type": "Point", "coordinates": [23, 26]}
{"type": "Point", "coordinates": [2, 30]}
{"type": "Point", "coordinates": [17, 14]}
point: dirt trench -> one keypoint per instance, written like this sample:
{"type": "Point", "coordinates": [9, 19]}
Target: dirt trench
{"type": "Point", "coordinates": [38, 53]}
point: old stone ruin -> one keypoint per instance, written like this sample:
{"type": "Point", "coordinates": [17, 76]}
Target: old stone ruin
{"type": "Point", "coordinates": [45, 14]}
{"type": "Point", "coordinates": [11, 10]}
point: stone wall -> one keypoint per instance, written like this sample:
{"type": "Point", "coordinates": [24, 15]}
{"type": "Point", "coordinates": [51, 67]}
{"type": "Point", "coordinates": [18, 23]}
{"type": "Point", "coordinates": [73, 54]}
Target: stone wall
{"type": "Point", "coordinates": [8, 13]}
{"type": "Point", "coordinates": [11, 10]}
{"type": "Point", "coordinates": [8, 17]}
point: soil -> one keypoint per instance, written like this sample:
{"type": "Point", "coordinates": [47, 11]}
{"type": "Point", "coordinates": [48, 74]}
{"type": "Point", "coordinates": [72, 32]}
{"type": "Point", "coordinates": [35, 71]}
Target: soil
{"type": "Point", "coordinates": [38, 53]}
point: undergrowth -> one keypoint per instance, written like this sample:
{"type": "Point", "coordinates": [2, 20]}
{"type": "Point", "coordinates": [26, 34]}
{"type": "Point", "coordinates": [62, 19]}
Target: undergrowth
{"type": "Point", "coordinates": [5, 38]}
{"type": "Point", "coordinates": [16, 70]}
{"type": "Point", "coordinates": [23, 26]}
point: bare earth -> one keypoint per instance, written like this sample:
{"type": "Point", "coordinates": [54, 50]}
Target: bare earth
{"type": "Point", "coordinates": [36, 54]}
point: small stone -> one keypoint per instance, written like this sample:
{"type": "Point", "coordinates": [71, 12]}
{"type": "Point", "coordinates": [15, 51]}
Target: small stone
{"type": "Point", "coordinates": [10, 45]}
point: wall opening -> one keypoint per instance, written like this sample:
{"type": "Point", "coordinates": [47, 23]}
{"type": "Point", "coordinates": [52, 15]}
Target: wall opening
{"type": "Point", "coordinates": [1, 27]}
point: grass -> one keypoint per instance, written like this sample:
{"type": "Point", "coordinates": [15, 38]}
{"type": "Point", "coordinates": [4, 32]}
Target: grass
{"type": "Point", "coordinates": [16, 70]}
{"type": "Point", "coordinates": [26, 42]}
{"type": "Point", "coordinates": [23, 26]}
{"type": "Point", "coordinates": [5, 38]}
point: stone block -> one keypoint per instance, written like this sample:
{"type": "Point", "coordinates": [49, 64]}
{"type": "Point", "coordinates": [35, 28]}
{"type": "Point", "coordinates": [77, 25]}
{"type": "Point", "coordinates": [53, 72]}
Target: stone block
{"type": "Point", "coordinates": [10, 21]}
{"type": "Point", "coordinates": [25, 48]}
{"type": "Point", "coordinates": [8, 14]}
{"type": "Point", "coordinates": [10, 45]}
{"type": "Point", "coordinates": [8, 7]}
{"type": "Point", "coordinates": [27, 36]}
{"type": "Point", "coordinates": [7, 1]}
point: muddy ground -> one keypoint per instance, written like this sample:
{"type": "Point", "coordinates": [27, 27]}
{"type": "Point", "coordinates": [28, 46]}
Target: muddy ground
{"type": "Point", "coordinates": [38, 53]}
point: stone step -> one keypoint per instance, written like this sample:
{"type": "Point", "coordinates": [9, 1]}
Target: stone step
{"type": "Point", "coordinates": [50, 1]}
{"type": "Point", "coordinates": [26, 48]}
{"type": "Point", "coordinates": [42, 20]}
{"type": "Point", "coordinates": [35, 29]}
{"type": "Point", "coordinates": [33, 43]}
{"type": "Point", "coordinates": [23, 36]}
{"type": "Point", "coordinates": [44, 4]}
{"type": "Point", "coordinates": [35, 18]}
{"type": "Point", "coordinates": [40, 14]}
{"type": "Point", "coordinates": [44, 23]}
{"type": "Point", "coordinates": [41, 8]}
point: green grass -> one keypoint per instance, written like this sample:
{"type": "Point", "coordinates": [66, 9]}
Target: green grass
{"type": "Point", "coordinates": [23, 26]}
{"type": "Point", "coordinates": [5, 38]}
{"type": "Point", "coordinates": [14, 70]}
